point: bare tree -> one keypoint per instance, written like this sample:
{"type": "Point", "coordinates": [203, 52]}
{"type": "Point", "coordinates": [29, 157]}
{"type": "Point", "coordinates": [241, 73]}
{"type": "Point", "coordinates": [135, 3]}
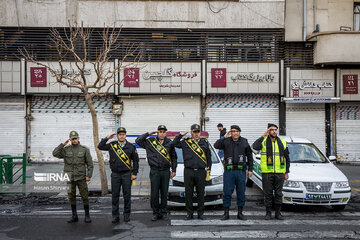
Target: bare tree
{"type": "Point", "coordinates": [73, 45]}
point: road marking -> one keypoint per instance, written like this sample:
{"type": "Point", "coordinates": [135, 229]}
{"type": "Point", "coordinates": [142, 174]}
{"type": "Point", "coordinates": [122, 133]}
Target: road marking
{"type": "Point", "coordinates": [286, 214]}
{"type": "Point", "coordinates": [356, 189]}
{"type": "Point", "coordinates": [218, 222]}
{"type": "Point", "coordinates": [266, 234]}
{"type": "Point", "coordinates": [67, 212]}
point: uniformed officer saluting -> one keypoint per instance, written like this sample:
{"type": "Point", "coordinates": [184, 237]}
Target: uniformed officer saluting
{"type": "Point", "coordinates": [161, 157]}
{"type": "Point", "coordinates": [237, 157]}
{"type": "Point", "coordinates": [79, 166]}
{"type": "Point", "coordinates": [124, 164]}
{"type": "Point", "coordinates": [275, 164]}
{"type": "Point", "coordinates": [197, 160]}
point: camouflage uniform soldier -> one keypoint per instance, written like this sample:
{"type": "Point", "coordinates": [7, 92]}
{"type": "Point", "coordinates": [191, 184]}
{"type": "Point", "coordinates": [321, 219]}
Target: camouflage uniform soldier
{"type": "Point", "coordinates": [79, 166]}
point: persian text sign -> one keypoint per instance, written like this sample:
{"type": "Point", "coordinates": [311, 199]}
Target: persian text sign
{"type": "Point", "coordinates": [38, 77]}
{"type": "Point", "coordinates": [218, 77]}
{"type": "Point", "coordinates": [131, 77]}
{"type": "Point", "coordinates": [351, 84]}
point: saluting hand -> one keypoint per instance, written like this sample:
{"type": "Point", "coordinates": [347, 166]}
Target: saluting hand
{"type": "Point", "coordinates": [266, 133]}
{"type": "Point", "coordinates": [228, 134]}
{"type": "Point", "coordinates": [184, 133]}
{"type": "Point", "coordinates": [111, 136]}
{"type": "Point", "coordinates": [67, 141]}
{"type": "Point", "coordinates": [152, 133]}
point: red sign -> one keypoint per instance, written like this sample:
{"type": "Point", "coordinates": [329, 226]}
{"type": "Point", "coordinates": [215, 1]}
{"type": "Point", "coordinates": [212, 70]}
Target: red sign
{"type": "Point", "coordinates": [296, 93]}
{"type": "Point", "coordinates": [131, 77]}
{"type": "Point", "coordinates": [350, 84]}
{"type": "Point", "coordinates": [38, 77]}
{"type": "Point", "coordinates": [218, 77]}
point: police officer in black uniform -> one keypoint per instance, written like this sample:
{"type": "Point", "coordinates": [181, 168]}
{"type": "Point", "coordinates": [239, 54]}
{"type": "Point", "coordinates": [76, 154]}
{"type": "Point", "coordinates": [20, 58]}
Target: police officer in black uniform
{"type": "Point", "coordinates": [124, 164]}
{"type": "Point", "coordinates": [197, 162]}
{"type": "Point", "coordinates": [161, 156]}
{"type": "Point", "coordinates": [237, 158]}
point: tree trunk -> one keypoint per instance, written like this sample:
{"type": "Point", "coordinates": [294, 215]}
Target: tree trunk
{"type": "Point", "coordinates": [100, 157]}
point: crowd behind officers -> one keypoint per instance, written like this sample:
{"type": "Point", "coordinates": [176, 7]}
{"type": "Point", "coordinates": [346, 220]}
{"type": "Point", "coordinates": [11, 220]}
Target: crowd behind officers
{"type": "Point", "coordinates": [162, 159]}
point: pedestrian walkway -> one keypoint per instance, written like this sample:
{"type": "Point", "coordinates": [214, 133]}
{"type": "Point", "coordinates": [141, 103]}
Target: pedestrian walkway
{"type": "Point", "coordinates": [298, 225]}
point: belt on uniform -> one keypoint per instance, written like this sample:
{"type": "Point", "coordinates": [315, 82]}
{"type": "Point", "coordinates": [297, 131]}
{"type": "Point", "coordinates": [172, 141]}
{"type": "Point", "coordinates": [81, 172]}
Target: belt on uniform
{"type": "Point", "coordinates": [195, 169]}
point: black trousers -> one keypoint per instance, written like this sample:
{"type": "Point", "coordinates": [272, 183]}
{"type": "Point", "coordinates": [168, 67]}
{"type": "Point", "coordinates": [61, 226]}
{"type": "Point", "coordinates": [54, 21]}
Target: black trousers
{"type": "Point", "coordinates": [159, 184]}
{"type": "Point", "coordinates": [194, 178]}
{"type": "Point", "coordinates": [119, 180]}
{"type": "Point", "coordinates": [272, 186]}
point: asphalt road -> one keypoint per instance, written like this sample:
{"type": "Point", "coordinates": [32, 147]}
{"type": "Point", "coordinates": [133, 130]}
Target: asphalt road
{"type": "Point", "coordinates": [37, 218]}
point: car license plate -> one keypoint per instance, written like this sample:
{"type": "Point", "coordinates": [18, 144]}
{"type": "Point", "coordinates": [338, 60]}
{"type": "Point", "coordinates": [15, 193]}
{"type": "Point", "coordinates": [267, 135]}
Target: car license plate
{"type": "Point", "coordinates": [318, 196]}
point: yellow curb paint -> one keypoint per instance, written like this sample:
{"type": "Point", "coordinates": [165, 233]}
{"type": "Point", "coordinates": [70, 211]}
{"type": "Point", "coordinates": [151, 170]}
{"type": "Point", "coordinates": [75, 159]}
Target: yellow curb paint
{"type": "Point", "coordinates": [356, 189]}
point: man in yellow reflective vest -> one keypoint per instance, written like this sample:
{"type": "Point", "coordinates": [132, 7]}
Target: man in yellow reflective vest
{"type": "Point", "coordinates": [275, 164]}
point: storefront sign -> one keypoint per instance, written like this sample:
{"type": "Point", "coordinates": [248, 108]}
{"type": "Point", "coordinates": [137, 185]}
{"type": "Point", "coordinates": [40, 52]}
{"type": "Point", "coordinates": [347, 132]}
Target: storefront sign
{"type": "Point", "coordinates": [312, 100]}
{"type": "Point", "coordinates": [350, 84]}
{"type": "Point", "coordinates": [71, 72]}
{"type": "Point", "coordinates": [131, 77]}
{"type": "Point", "coordinates": [218, 77]}
{"type": "Point", "coordinates": [254, 77]}
{"type": "Point", "coordinates": [310, 84]}
{"type": "Point", "coordinates": [167, 73]}
{"type": "Point", "coordinates": [38, 77]}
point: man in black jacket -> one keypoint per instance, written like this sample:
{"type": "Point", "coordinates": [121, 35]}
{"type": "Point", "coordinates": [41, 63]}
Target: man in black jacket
{"type": "Point", "coordinates": [237, 158]}
{"type": "Point", "coordinates": [124, 164]}
{"type": "Point", "coordinates": [161, 156]}
{"type": "Point", "coordinates": [197, 161]}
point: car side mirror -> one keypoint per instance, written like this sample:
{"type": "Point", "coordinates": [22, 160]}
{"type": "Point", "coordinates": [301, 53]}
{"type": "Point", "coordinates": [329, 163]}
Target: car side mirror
{"type": "Point", "coordinates": [257, 156]}
{"type": "Point", "coordinates": [332, 159]}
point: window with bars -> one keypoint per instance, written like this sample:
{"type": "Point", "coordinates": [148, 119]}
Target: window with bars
{"type": "Point", "coordinates": [357, 16]}
{"type": "Point", "coordinates": [223, 45]}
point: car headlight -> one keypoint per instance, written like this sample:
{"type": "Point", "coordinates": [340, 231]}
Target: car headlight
{"type": "Point", "coordinates": [217, 180]}
{"type": "Point", "coordinates": [291, 184]}
{"type": "Point", "coordinates": [342, 184]}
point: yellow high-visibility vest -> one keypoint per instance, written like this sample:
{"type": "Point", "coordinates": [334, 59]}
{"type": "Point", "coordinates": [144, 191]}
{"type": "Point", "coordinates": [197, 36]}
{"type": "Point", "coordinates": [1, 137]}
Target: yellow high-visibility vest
{"type": "Point", "coordinates": [276, 166]}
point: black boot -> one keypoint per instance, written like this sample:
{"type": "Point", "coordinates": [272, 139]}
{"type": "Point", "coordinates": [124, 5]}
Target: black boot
{"type": "Point", "coordinates": [278, 213]}
{"type": "Point", "coordinates": [87, 214]}
{"type": "Point", "coordinates": [74, 217]}
{"type": "Point", "coordinates": [268, 213]}
{"type": "Point", "coordinates": [226, 214]}
{"type": "Point", "coordinates": [240, 215]}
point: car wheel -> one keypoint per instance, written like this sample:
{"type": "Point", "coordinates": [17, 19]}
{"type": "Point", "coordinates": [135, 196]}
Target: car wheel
{"type": "Point", "coordinates": [249, 182]}
{"type": "Point", "coordinates": [338, 207]}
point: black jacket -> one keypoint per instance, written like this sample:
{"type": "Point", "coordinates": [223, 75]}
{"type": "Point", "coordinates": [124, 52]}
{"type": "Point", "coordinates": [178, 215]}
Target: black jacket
{"type": "Point", "coordinates": [222, 132]}
{"type": "Point", "coordinates": [227, 144]}
{"type": "Point", "coordinates": [257, 145]}
{"type": "Point", "coordinates": [116, 164]}
{"type": "Point", "coordinates": [191, 160]}
{"type": "Point", "coordinates": [155, 159]}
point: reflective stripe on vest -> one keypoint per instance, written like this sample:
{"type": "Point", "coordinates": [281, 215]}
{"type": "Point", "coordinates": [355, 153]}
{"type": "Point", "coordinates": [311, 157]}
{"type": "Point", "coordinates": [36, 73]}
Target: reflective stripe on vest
{"type": "Point", "coordinates": [276, 168]}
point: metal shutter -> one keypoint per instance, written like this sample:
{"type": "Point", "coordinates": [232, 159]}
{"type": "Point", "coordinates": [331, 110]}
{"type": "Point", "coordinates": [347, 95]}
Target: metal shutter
{"type": "Point", "coordinates": [308, 121]}
{"type": "Point", "coordinates": [252, 112]}
{"type": "Point", "coordinates": [55, 116]}
{"type": "Point", "coordinates": [348, 132]}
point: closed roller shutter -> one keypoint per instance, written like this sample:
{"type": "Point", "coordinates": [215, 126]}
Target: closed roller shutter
{"type": "Point", "coordinates": [348, 132]}
{"type": "Point", "coordinates": [252, 112]}
{"type": "Point", "coordinates": [144, 113]}
{"type": "Point", "coordinates": [55, 116]}
{"type": "Point", "coordinates": [308, 121]}
{"type": "Point", "coordinates": [13, 126]}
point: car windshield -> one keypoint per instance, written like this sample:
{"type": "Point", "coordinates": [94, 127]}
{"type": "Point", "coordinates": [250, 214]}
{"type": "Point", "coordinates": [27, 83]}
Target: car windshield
{"type": "Point", "coordinates": [305, 153]}
{"type": "Point", "coordinates": [180, 158]}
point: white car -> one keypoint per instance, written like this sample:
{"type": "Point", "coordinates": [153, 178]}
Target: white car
{"type": "Point", "coordinates": [313, 178]}
{"type": "Point", "coordinates": [213, 188]}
